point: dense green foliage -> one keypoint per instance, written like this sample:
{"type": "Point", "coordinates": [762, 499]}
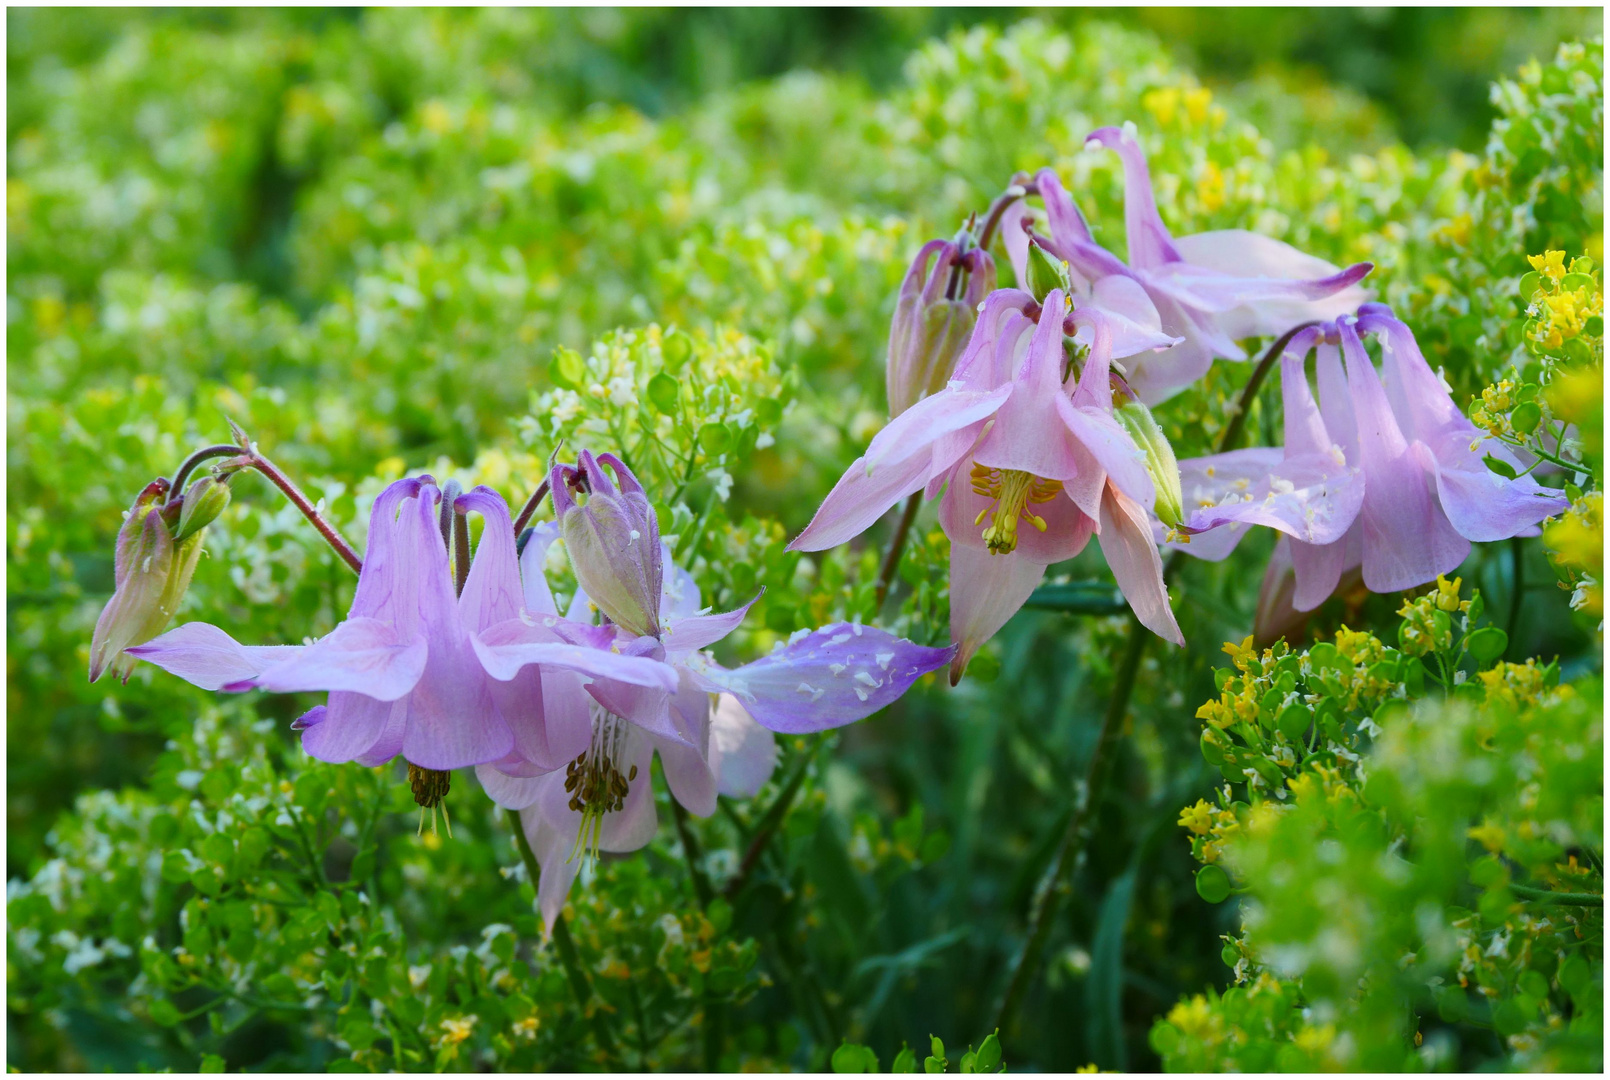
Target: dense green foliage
{"type": "Point", "coordinates": [401, 240]}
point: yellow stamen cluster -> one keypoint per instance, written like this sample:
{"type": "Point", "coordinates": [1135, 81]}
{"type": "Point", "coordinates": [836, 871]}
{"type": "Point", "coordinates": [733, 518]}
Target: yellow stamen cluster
{"type": "Point", "coordinates": [594, 780]}
{"type": "Point", "coordinates": [1011, 492]}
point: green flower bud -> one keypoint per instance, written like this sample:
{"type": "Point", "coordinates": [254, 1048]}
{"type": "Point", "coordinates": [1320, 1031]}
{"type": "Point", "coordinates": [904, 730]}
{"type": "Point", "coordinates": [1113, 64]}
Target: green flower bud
{"type": "Point", "coordinates": [1161, 465]}
{"type": "Point", "coordinates": [151, 573]}
{"type": "Point", "coordinates": [1045, 273]}
{"type": "Point", "coordinates": [203, 503]}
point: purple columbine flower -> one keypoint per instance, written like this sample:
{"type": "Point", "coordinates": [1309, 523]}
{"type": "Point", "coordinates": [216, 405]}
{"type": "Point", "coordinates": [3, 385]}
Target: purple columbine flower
{"type": "Point", "coordinates": [1032, 463]}
{"type": "Point", "coordinates": [611, 731]}
{"type": "Point", "coordinates": [933, 316]}
{"type": "Point", "coordinates": [408, 670]}
{"type": "Point", "coordinates": [1210, 289]}
{"type": "Point", "coordinates": [1384, 473]}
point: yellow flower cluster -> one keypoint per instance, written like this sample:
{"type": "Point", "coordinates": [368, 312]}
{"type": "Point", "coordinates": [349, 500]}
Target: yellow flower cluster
{"type": "Point", "coordinates": [1492, 414]}
{"type": "Point", "coordinates": [1566, 298]}
{"type": "Point", "coordinates": [1576, 543]}
{"type": "Point", "coordinates": [1427, 626]}
{"type": "Point", "coordinates": [1186, 104]}
{"type": "Point", "coordinates": [1520, 685]}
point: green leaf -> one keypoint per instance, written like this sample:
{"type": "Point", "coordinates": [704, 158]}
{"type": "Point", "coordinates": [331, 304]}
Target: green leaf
{"type": "Point", "coordinates": [905, 1061]}
{"type": "Point", "coordinates": [677, 350]}
{"type": "Point", "coordinates": [989, 1052]}
{"type": "Point", "coordinates": [1487, 644]}
{"type": "Point", "coordinates": [212, 1063]}
{"type": "Point", "coordinates": [1499, 466]}
{"type": "Point", "coordinates": [1212, 884]}
{"type": "Point", "coordinates": [1529, 283]}
{"type": "Point", "coordinates": [715, 439]}
{"type": "Point", "coordinates": [663, 392]}
{"type": "Point", "coordinates": [854, 1058]}
{"type": "Point", "coordinates": [567, 368]}
{"type": "Point", "coordinates": [1526, 417]}
{"type": "Point", "coordinates": [165, 1012]}
{"type": "Point", "coordinates": [1078, 598]}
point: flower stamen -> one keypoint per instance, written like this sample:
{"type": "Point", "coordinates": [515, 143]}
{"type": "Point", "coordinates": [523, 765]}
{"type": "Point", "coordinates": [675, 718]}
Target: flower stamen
{"type": "Point", "coordinates": [595, 782]}
{"type": "Point", "coordinates": [1011, 492]}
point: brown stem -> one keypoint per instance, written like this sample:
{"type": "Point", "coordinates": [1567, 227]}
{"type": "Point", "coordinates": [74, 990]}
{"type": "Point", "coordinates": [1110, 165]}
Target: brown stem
{"type": "Point", "coordinates": [332, 535]}
{"type": "Point", "coordinates": [1232, 431]}
{"type": "Point", "coordinates": [1020, 186]}
{"type": "Point", "coordinates": [530, 506]}
{"type": "Point", "coordinates": [195, 459]}
{"type": "Point", "coordinates": [897, 543]}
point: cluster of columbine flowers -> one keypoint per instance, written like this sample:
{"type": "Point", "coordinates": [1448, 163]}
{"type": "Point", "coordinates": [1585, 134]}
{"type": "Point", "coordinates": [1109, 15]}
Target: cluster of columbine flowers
{"type": "Point", "coordinates": [451, 660]}
{"type": "Point", "coordinates": [1035, 431]}
{"type": "Point", "coordinates": [1024, 410]}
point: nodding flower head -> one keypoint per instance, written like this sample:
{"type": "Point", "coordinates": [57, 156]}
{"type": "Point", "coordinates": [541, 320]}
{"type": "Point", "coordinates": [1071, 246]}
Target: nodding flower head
{"type": "Point", "coordinates": [613, 539]}
{"type": "Point", "coordinates": [934, 316]}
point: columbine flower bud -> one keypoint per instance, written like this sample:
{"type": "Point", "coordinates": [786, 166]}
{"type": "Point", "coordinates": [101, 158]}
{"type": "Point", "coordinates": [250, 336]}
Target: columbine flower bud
{"type": "Point", "coordinates": [150, 573]}
{"type": "Point", "coordinates": [934, 317]}
{"type": "Point", "coordinates": [1164, 470]}
{"type": "Point", "coordinates": [613, 539]}
{"type": "Point", "coordinates": [1045, 273]}
{"type": "Point", "coordinates": [203, 502]}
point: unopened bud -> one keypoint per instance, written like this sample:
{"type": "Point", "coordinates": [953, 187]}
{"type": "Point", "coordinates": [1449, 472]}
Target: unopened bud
{"type": "Point", "coordinates": [1161, 465]}
{"type": "Point", "coordinates": [203, 502]}
{"type": "Point", "coordinates": [150, 575]}
{"type": "Point", "coordinates": [933, 318]}
{"type": "Point", "coordinates": [613, 538]}
{"type": "Point", "coordinates": [1044, 272]}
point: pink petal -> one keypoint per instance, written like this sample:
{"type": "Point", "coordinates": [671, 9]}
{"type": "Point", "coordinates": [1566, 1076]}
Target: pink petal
{"type": "Point", "coordinates": [354, 727]}
{"type": "Point", "coordinates": [1149, 242]}
{"type": "Point", "coordinates": [1408, 540]}
{"type": "Point", "coordinates": [985, 591]}
{"type": "Point", "coordinates": [1066, 533]}
{"type": "Point", "coordinates": [1319, 567]}
{"type": "Point", "coordinates": [554, 846]}
{"type": "Point", "coordinates": [700, 631]}
{"type": "Point", "coordinates": [533, 577]}
{"type": "Point", "coordinates": [365, 656]}
{"type": "Point", "coordinates": [492, 592]}
{"type": "Point", "coordinates": [1298, 287]}
{"type": "Point", "coordinates": [1126, 543]}
{"type": "Point", "coordinates": [510, 792]}
{"type": "Point", "coordinates": [743, 755]}
{"type": "Point", "coordinates": [825, 679]}
{"type": "Point", "coordinates": [688, 775]}
{"type": "Point", "coordinates": [510, 645]}
{"type": "Point", "coordinates": [206, 656]}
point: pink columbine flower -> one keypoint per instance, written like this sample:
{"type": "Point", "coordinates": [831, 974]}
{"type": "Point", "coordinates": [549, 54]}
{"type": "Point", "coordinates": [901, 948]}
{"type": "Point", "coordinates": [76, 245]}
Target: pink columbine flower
{"type": "Point", "coordinates": [1210, 289]}
{"type": "Point", "coordinates": [1031, 461]}
{"type": "Point", "coordinates": [412, 670]}
{"type": "Point", "coordinates": [605, 734]}
{"type": "Point", "coordinates": [1384, 473]}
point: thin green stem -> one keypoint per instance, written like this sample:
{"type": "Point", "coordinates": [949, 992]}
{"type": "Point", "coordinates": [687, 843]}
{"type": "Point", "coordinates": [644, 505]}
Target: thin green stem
{"type": "Point", "coordinates": [690, 849]}
{"type": "Point", "coordinates": [332, 535]}
{"type": "Point", "coordinates": [897, 543]}
{"type": "Point", "coordinates": [1053, 887]}
{"type": "Point", "coordinates": [580, 987]}
{"type": "Point", "coordinates": [771, 821]}
{"type": "Point", "coordinates": [1547, 896]}
{"type": "Point", "coordinates": [530, 507]}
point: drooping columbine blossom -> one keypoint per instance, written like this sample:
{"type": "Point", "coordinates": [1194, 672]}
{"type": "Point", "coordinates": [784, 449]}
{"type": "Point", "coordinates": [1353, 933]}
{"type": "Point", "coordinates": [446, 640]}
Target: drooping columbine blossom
{"type": "Point", "coordinates": [407, 670]}
{"type": "Point", "coordinates": [740, 757]}
{"type": "Point", "coordinates": [1032, 462]}
{"type": "Point", "coordinates": [1210, 289]}
{"type": "Point", "coordinates": [933, 316]}
{"type": "Point", "coordinates": [601, 801]}
{"type": "Point", "coordinates": [1385, 474]}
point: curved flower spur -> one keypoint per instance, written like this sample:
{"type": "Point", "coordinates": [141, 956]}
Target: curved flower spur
{"type": "Point", "coordinates": [1384, 473]}
{"type": "Point", "coordinates": [1032, 462]}
{"type": "Point", "coordinates": [1210, 289]}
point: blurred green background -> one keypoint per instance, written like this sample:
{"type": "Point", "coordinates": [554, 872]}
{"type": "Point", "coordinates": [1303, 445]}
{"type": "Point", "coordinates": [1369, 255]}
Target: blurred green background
{"type": "Point", "coordinates": [363, 233]}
